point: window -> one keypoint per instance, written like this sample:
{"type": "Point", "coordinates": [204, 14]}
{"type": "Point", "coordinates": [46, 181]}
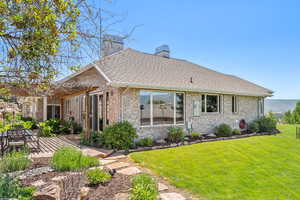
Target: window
{"type": "Point", "coordinates": [211, 103]}
{"type": "Point", "coordinates": [53, 111]}
{"type": "Point", "coordinates": [159, 108]}
{"type": "Point", "coordinates": [260, 106]}
{"type": "Point", "coordinates": [234, 103]}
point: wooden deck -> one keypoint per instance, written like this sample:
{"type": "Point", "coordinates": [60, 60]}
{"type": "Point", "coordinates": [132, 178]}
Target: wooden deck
{"type": "Point", "coordinates": [48, 145]}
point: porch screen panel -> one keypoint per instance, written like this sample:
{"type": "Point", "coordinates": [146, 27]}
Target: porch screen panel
{"type": "Point", "coordinates": [163, 108]}
{"type": "Point", "coordinates": [145, 103]}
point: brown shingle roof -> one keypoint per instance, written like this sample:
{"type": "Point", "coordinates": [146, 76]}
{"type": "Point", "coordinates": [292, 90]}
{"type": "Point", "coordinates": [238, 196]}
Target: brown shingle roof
{"type": "Point", "coordinates": [131, 68]}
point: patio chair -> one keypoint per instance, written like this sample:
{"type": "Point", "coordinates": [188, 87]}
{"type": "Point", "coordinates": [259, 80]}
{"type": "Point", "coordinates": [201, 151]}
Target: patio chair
{"type": "Point", "coordinates": [32, 140]}
{"type": "Point", "coordinates": [16, 138]}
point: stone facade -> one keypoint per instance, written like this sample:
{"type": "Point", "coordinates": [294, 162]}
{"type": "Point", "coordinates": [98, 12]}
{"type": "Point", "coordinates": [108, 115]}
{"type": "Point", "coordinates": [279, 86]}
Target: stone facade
{"type": "Point", "coordinates": [205, 123]}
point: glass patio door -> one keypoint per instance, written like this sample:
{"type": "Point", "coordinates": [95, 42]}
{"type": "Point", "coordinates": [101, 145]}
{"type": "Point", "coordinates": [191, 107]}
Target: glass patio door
{"type": "Point", "coordinates": [96, 112]}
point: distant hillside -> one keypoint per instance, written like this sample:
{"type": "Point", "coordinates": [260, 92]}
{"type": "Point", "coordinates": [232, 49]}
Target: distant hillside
{"type": "Point", "coordinates": [280, 105]}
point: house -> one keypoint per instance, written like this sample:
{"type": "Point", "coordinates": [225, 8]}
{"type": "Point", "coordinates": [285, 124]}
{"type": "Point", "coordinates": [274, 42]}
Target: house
{"type": "Point", "coordinates": [153, 92]}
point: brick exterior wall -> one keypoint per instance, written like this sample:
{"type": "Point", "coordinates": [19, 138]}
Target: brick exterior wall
{"type": "Point", "coordinates": [205, 123]}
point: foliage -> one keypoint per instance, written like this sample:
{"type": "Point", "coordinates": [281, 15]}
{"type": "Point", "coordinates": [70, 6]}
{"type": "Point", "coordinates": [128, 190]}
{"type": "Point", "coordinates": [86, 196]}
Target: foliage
{"type": "Point", "coordinates": [195, 135]}
{"type": "Point", "coordinates": [253, 127]}
{"type": "Point", "coordinates": [77, 128]}
{"type": "Point", "coordinates": [292, 117]}
{"type": "Point", "coordinates": [33, 33]}
{"type": "Point", "coordinates": [175, 135]}
{"type": "Point", "coordinates": [145, 142]}
{"type": "Point", "coordinates": [96, 139]}
{"type": "Point", "coordinates": [97, 176]}
{"type": "Point", "coordinates": [45, 130]}
{"type": "Point", "coordinates": [236, 132]}
{"type": "Point", "coordinates": [30, 119]}
{"type": "Point", "coordinates": [70, 159]}
{"type": "Point", "coordinates": [143, 188]}
{"type": "Point", "coordinates": [14, 161]}
{"type": "Point", "coordinates": [266, 124]}
{"type": "Point", "coordinates": [66, 127]}
{"type": "Point", "coordinates": [54, 124]}
{"type": "Point", "coordinates": [11, 188]}
{"type": "Point", "coordinates": [223, 130]}
{"type": "Point", "coordinates": [120, 135]}
{"type": "Point", "coordinates": [265, 158]}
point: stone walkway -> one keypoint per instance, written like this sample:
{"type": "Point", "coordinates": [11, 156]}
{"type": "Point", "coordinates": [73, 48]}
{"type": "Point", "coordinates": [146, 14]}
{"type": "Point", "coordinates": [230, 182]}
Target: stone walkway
{"type": "Point", "coordinates": [123, 165]}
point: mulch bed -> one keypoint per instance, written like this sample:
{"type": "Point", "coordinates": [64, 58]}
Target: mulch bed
{"type": "Point", "coordinates": [70, 186]}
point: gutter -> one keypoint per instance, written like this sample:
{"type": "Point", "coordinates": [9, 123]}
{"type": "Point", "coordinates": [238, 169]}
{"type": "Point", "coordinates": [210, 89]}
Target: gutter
{"type": "Point", "coordinates": [138, 86]}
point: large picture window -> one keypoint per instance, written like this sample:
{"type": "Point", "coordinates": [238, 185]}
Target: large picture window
{"type": "Point", "coordinates": [211, 103]}
{"type": "Point", "coordinates": [159, 108]}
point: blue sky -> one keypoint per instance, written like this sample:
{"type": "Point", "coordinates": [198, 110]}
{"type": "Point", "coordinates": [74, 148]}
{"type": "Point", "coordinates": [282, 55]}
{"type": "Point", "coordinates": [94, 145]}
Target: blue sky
{"type": "Point", "coordinates": [258, 40]}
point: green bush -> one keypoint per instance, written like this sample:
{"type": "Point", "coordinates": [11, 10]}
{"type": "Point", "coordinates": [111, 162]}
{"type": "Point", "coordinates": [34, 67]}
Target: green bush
{"type": "Point", "coordinates": [54, 124]}
{"type": "Point", "coordinates": [195, 136]}
{"type": "Point", "coordinates": [120, 135]}
{"type": "Point", "coordinates": [175, 135]}
{"type": "Point", "coordinates": [236, 132]}
{"type": "Point", "coordinates": [77, 128]}
{"type": "Point", "coordinates": [97, 176]}
{"type": "Point", "coordinates": [70, 159]}
{"type": "Point", "coordinates": [145, 142]}
{"type": "Point", "coordinates": [96, 139]}
{"type": "Point", "coordinates": [11, 188]}
{"type": "Point", "coordinates": [224, 130]}
{"type": "Point", "coordinates": [66, 127]}
{"type": "Point", "coordinates": [46, 130]}
{"type": "Point", "coordinates": [143, 188]}
{"type": "Point", "coordinates": [14, 161]}
{"type": "Point", "coordinates": [253, 127]}
{"type": "Point", "coordinates": [266, 124]}
{"type": "Point", "coordinates": [30, 119]}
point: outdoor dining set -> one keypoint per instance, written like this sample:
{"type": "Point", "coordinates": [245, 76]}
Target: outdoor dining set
{"type": "Point", "coordinates": [17, 138]}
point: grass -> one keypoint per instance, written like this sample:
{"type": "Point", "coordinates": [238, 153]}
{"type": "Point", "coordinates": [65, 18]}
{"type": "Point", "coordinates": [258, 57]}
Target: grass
{"type": "Point", "coordinates": [143, 188]}
{"type": "Point", "coordinates": [97, 176]}
{"type": "Point", "coordinates": [14, 161]}
{"type": "Point", "coordinates": [264, 167]}
{"type": "Point", "coordinates": [70, 159]}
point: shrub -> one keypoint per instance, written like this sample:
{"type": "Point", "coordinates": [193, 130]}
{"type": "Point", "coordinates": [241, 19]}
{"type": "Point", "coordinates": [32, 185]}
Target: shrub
{"type": "Point", "coordinates": [77, 128]}
{"type": "Point", "coordinates": [253, 127]}
{"type": "Point", "coordinates": [143, 188]}
{"type": "Point", "coordinates": [70, 159]}
{"type": "Point", "coordinates": [30, 119]}
{"type": "Point", "coordinates": [175, 135]}
{"type": "Point", "coordinates": [145, 142]}
{"type": "Point", "coordinates": [45, 130]}
{"type": "Point", "coordinates": [11, 188]}
{"type": "Point", "coordinates": [66, 127]}
{"type": "Point", "coordinates": [97, 176]}
{"type": "Point", "coordinates": [14, 161]}
{"type": "Point", "coordinates": [266, 124]}
{"type": "Point", "coordinates": [54, 124]}
{"type": "Point", "coordinates": [121, 135]}
{"type": "Point", "coordinates": [195, 136]}
{"type": "Point", "coordinates": [223, 130]}
{"type": "Point", "coordinates": [236, 132]}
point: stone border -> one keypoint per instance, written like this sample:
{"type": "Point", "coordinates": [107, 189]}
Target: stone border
{"type": "Point", "coordinates": [166, 146]}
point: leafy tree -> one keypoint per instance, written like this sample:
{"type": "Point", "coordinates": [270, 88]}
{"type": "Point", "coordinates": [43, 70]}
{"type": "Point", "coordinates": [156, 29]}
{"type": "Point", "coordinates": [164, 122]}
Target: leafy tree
{"type": "Point", "coordinates": [293, 117]}
{"type": "Point", "coordinates": [288, 117]}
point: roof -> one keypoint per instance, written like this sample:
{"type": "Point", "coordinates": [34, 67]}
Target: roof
{"type": "Point", "coordinates": [134, 69]}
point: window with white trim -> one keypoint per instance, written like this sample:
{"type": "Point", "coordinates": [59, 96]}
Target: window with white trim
{"type": "Point", "coordinates": [211, 103]}
{"type": "Point", "coordinates": [260, 106]}
{"type": "Point", "coordinates": [161, 108]}
{"type": "Point", "coordinates": [234, 104]}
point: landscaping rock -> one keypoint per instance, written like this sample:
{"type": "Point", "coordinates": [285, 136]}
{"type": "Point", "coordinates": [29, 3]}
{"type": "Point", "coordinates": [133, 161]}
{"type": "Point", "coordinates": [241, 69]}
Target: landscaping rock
{"type": "Point", "coordinates": [58, 178]}
{"type": "Point", "coordinates": [118, 165]}
{"type": "Point", "coordinates": [93, 153]}
{"type": "Point", "coordinates": [116, 157]}
{"type": "Point", "coordinates": [121, 196]}
{"type": "Point", "coordinates": [106, 161]}
{"type": "Point", "coordinates": [171, 196]}
{"type": "Point", "coordinates": [30, 173]}
{"type": "Point", "coordinates": [49, 192]}
{"type": "Point", "coordinates": [84, 191]}
{"type": "Point", "coordinates": [129, 171]}
{"type": "Point", "coordinates": [38, 183]}
{"type": "Point", "coordinates": [161, 141]}
{"type": "Point", "coordinates": [162, 187]}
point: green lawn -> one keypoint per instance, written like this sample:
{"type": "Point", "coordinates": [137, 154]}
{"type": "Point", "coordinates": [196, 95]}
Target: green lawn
{"type": "Point", "coordinates": [263, 167]}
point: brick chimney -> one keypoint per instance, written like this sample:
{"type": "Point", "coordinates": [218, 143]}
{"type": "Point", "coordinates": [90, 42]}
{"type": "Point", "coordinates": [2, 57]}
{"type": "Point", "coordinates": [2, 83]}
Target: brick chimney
{"type": "Point", "coordinates": [111, 44]}
{"type": "Point", "coordinates": [163, 51]}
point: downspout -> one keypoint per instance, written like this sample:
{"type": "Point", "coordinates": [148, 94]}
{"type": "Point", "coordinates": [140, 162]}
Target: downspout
{"type": "Point", "coordinates": [122, 106]}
